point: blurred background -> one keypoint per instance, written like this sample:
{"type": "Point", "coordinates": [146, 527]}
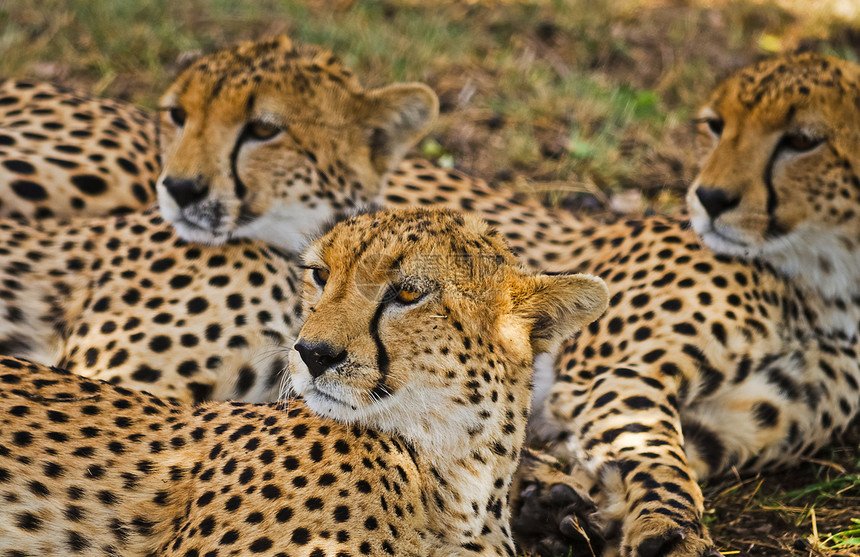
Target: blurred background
{"type": "Point", "coordinates": [584, 102]}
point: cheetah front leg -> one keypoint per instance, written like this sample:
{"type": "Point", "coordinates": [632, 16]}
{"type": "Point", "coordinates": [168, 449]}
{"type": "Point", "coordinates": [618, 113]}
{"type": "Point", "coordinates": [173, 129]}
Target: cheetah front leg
{"type": "Point", "coordinates": [623, 430]}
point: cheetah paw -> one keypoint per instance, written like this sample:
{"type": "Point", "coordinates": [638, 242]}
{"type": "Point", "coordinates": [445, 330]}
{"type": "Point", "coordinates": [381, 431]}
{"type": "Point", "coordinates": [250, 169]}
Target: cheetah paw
{"type": "Point", "coordinates": [658, 536]}
{"type": "Point", "coordinates": [552, 511]}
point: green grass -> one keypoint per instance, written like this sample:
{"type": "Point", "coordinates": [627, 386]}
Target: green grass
{"type": "Point", "coordinates": [823, 490]}
{"type": "Point", "coordinates": [846, 539]}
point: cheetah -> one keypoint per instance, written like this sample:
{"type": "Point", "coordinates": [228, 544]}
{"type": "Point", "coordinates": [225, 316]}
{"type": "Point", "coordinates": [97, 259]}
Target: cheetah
{"type": "Point", "coordinates": [413, 415]}
{"type": "Point", "coordinates": [66, 154]}
{"type": "Point", "coordinates": [126, 299]}
{"type": "Point", "coordinates": [728, 344]}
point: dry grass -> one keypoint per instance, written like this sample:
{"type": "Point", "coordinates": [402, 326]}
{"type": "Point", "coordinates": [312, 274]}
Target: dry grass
{"type": "Point", "coordinates": [586, 100]}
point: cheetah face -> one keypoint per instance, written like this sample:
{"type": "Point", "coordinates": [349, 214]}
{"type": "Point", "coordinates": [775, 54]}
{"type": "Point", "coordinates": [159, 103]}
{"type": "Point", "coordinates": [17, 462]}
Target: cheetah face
{"type": "Point", "coordinates": [779, 178]}
{"type": "Point", "coordinates": [269, 140]}
{"type": "Point", "coordinates": [416, 318]}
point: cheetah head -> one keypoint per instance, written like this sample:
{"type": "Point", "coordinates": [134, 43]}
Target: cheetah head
{"type": "Point", "coordinates": [269, 139]}
{"type": "Point", "coordinates": [423, 324]}
{"type": "Point", "coordinates": [779, 177]}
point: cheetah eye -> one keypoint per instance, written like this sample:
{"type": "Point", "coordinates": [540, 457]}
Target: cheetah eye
{"type": "Point", "coordinates": [262, 130]}
{"type": "Point", "coordinates": [320, 276]}
{"type": "Point", "coordinates": [407, 297]}
{"type": "Point", "coordinates": [715, 125]}
{"type": "Point", "coordinates": [801, 142]}
{"type": "Point", "coordinates": [178, 115]}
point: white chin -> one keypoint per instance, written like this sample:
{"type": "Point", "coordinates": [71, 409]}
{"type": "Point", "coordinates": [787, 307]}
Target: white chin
{"type": "Point", "coordinates": [717, 242]}
{"type": "Point", "coordinates": [195, 234]}
{"type": "Point", "coordinates": [317, 401]}
{"type": "Point", "coordinates": [329, 407]}
{"type": "Point", "coordinates": [720, 245]}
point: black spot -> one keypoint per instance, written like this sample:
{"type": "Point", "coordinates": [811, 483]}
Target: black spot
{"type": "Point", "coordinates": [765, 414]}
{"type": "Point", "coordinates": [605, 399]}
{"type": "Point", "coordinates": [341, 513]}
{"type": "Point", "coordinates": [640, 300]}
{"type": "Point", "coordinates": [161, 265]}
{"type": "Point", "coordinates": [28, 521]}
{"type": "Point", "coordinates": [31, 191]}
{"type": "Point", "coordinates": [260, 545]}
{"type": "Point", "coordinates": [89, 184]}
{"type": "Point", "coordinates": [20, 167]}
{"type": "Point", "coordinates": [22, 438]}
{"type": "Point", "coordinates": [197, 305]}
{"type": "Point", "coordinates": [146, 374]}
{"type": "Point", "coordinates": [229, 538]}
{"type": "Point", "coordinates": [300, 536]}
{"type": "Point", "coordinates": [247, 378]}
{"type": "Point", "coordinates": [707, 443]}
{"type": "Point", "coordinates": [188, 368]}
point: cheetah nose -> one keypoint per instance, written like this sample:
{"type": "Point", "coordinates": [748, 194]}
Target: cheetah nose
{"type": "Point", "coordinates": [319, 356]}
{"type": "Point", "coordinates": [716, 201]}
{"type": "Point", "coordinates": [185, 191]}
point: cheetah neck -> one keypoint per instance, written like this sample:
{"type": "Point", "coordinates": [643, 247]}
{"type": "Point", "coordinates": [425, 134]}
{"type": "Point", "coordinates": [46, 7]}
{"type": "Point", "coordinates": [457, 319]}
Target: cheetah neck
{"type": "Point", "coordinates": [466, 493]}
{"type": "Point", "coordinates": [824, 268]}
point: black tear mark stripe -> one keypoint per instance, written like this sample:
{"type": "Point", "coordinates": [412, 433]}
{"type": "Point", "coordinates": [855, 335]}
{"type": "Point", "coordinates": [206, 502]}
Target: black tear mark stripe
{"type": "Point", "coordinates": [239, 186]}
{"type": "Point", "coordinates": [381, 390]}
{"type": "Point", "coordinates": [774, 228]}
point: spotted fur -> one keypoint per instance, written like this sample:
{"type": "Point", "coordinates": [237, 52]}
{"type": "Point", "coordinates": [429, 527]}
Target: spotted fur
{"type": "Point", "coordinates": [64, 154]}
{"type": "Point", "coordinates": [91, 468]}
{"type": "Point", "coordinates": [125, 300]}
{"type": "Point", "coordinates": [739, 351]}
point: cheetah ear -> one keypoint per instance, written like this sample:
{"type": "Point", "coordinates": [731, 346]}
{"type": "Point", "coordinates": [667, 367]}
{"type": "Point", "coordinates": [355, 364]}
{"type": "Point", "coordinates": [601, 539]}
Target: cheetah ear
{"type": "Point", "coordinates": [559, 306]}
{"type": "Point", "coordinates": [184, 61]}
{"type": "Point", "coordinates": [401, 114]}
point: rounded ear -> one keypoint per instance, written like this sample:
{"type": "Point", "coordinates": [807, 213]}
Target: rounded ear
{"type": "Point", "coordinates": [184, 60]}
{"type": "Point", "coordinates": [559, 306]}
{"type": "Point", "coordinates": [400, 115]}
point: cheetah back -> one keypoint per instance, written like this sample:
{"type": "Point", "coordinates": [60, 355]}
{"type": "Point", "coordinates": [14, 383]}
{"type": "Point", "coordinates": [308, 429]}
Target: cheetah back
{"type": "Point", "coordinates": [64, 153]}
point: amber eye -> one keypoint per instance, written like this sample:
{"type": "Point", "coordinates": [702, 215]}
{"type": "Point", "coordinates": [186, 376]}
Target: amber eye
{"type": "Point", "coordinates": [320, 276]}
{"type": "Point", "coordinates": [801, 142]}
{"type": "Point", "coordinates": [262, 130]}
{"type": "Point", "coordinates": [178, 115]}
{"type": "Point", "coordinates": [407, 297]}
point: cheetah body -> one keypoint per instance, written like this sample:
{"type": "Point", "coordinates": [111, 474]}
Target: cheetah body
{"type": "Point", "coordinates": [124, 300]}
{"type": "Point", "coordinates": [66, 154]}
{"type": "Point", "coordinates": [140, 476]}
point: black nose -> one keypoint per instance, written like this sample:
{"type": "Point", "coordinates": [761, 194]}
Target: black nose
{"type": "Point", "coordinates": [319, 356]}
{"type": "Point", "coordinates": [716, 201]}
{"type": "Point", "coordinates": [184, 190]}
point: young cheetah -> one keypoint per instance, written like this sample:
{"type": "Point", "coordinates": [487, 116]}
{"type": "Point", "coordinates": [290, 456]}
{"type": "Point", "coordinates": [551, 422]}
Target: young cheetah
{"type": "Point", "coordinates": [415, 367]}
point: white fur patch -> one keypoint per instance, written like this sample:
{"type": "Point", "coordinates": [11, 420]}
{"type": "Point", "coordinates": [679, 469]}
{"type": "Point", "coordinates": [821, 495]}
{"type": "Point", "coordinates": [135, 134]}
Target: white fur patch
{"type": "Point", "coordinates": [543, 379]}
{"type": "Point", "coordinates": [287, 226]}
